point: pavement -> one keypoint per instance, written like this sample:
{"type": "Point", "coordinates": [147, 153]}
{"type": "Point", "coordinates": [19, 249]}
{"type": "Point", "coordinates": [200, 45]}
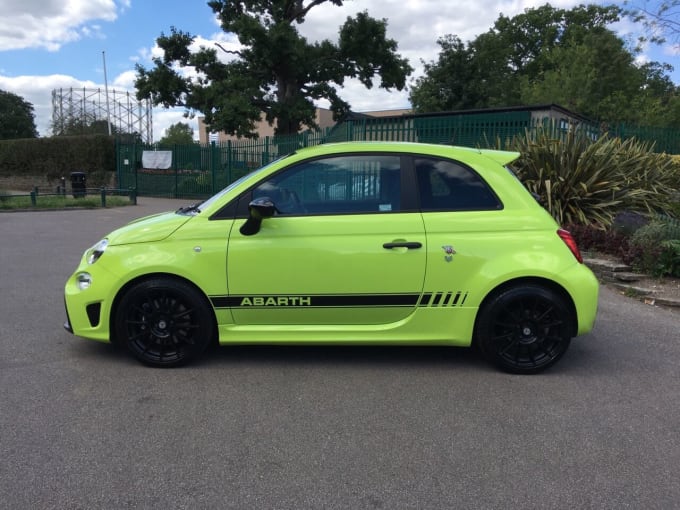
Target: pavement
{"type": "Point", "coordinates": [652, 291]}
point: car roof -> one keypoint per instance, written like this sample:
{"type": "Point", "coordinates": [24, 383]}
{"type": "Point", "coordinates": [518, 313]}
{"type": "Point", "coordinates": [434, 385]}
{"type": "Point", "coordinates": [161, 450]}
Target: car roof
{"type": "Point", "coordinates": [499, 156]}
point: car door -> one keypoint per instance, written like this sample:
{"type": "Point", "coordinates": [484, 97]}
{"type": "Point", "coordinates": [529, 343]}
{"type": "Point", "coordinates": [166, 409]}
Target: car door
{"type": "Point", "coordinates": [341, 249]}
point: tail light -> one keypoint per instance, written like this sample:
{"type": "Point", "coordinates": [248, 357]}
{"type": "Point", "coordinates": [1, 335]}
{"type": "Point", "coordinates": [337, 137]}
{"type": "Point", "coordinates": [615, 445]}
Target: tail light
{"type": "Point", "coordinates": [571, 244]}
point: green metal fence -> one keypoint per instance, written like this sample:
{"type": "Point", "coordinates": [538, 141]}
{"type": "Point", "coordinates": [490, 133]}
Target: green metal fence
{"type": "Point", "coordinates": [198, 171]}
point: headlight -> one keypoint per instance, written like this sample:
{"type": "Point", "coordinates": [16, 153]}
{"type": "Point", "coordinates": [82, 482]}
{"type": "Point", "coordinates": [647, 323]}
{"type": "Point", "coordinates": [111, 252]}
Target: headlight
{"type": "Point", "coordinates": [83, 280]}
{"type": "Point", "coordinates": [96, 251]}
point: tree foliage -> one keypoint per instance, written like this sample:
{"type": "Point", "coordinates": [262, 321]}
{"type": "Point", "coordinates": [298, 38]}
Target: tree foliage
{"type": "Point", "coordinates": [17, 119]}
{"type": "Point", "coordinates": [661, 20]}
{"type": "Point", "coordinates": [178, 134]}
{"type": "Point", "coordinates": [276, 73]}
{"type": "Point", "coordinates": [550, 55]}
{"type": "Point", "coordinates": [86, 124]}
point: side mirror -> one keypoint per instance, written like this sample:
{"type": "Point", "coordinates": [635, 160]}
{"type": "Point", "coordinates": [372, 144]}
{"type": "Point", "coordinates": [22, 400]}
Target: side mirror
{"type": "Point", "coordinates": [259, 209]}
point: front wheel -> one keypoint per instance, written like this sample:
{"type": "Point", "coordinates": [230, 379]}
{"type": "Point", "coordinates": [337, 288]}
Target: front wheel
{"type": "Point", "coordinates": [164, 322]}
{"type": "Point", "coordinates": [524, 330]}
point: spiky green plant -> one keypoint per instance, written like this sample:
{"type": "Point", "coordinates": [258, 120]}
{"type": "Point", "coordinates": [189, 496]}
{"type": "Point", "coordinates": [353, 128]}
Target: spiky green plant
{"type": "Point", "coordinates": [582, 181]}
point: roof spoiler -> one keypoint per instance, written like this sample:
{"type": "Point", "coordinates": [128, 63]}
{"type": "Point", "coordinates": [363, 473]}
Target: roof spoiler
{"type": "Point", "coordinates": [501, 157]}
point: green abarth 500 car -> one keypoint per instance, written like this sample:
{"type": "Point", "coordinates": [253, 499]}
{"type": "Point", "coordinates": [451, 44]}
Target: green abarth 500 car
{"type": "Point", "coordinates": [351, 243]}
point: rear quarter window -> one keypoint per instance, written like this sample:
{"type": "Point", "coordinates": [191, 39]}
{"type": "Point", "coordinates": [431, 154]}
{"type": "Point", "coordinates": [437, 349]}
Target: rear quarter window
{"type": "Point", "coordinates": [445, 185]}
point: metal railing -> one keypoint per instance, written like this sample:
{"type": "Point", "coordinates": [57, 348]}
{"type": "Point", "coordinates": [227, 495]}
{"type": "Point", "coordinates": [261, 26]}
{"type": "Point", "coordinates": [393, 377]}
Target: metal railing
{"type": "Point", "coordinates": [77, 197]}
{"type": "Point", "coordinates": [198, 171]}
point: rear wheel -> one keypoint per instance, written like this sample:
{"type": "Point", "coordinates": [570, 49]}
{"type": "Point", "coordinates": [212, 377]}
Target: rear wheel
{"type": "Point", "coordinates": [524, 330]}
{"type": "Point", "coordinates": [164, 322]}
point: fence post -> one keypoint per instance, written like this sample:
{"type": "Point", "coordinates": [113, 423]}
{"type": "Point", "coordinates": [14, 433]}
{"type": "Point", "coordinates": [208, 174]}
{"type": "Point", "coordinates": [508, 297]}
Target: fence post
{"type": "Point", "coordinates": [213, 169]}
{"type": "Point", "coordinates": [265, 153]}
{"type": "Point", "coordinates": [230, 163]}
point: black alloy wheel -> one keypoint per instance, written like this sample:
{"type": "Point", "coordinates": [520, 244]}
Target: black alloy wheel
{"type": "Point", "coordinates": [164, 322]}
{"type": "Point", "coordinates": [524, 330]}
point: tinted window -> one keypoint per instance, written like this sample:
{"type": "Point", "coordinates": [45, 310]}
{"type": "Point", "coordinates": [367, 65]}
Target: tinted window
{"type": "Point", "coordinates": [448, 186]}
{"type": "Point", "coordinates": [341, 184]}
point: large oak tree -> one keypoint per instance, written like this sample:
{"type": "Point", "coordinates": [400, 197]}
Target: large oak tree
{"type": "Point", "coordinates": [277, 72]}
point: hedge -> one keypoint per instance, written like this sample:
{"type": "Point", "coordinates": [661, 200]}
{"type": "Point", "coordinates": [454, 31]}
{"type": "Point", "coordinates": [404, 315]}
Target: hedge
{"type": "Point", "coordinates": [57, 156]}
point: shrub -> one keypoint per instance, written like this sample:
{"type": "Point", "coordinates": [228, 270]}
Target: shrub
{"type": "Point", "coordinates": [584, 182]}
{"type": "Point", "coordinates": [610, 241]}
{"type": "Point", "coordinates": [657, 247]}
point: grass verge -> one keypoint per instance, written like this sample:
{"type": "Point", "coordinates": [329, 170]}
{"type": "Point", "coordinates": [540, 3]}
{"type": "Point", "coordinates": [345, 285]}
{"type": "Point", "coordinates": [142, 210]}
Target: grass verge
{"type": "Point", "coordinates": [22, 202]}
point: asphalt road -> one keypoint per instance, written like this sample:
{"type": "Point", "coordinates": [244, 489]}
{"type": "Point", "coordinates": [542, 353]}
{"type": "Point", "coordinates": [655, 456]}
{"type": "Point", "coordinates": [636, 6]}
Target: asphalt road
{"type": "Point", "coordinates": [84, 426]}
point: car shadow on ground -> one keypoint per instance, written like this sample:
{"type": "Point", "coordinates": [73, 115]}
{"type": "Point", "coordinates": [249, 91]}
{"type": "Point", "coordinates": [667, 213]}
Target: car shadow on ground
{"type": "Point", "coordinates": [304, 355]}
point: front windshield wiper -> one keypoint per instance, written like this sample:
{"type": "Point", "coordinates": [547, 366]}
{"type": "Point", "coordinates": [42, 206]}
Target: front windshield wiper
{"type": "Point", "coordinates": [193, 208]}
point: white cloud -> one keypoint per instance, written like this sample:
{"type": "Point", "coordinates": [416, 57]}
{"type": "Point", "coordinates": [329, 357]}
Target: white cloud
{"type": "Point", "coordinates": [415, 24]}
{"type": "Point", "coordinates": [163, 119]}
{"type": "Point", "coordinates": [671, 50]}
{"type": "Point", "coordinates": [125, 81]}
{"type": "Point", "coordinates": [37, 90]}
{"type": "Point", "coordinates": [51, 23]}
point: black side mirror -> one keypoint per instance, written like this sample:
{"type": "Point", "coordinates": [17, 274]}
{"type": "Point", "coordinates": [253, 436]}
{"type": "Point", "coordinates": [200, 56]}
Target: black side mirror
{"type": "Point", "coordinates": [259, 209]}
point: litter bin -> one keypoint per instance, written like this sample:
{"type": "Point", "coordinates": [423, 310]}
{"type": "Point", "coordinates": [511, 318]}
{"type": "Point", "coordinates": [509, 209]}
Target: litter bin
{"type": "Point", "coordinates": [78, 181]}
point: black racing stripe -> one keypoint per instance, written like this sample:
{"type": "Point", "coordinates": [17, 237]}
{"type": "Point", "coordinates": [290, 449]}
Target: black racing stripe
{"type": "Point", "coordinates": [455, 299]}
{"type": "Point", "coordinates": [447, 299]}
{"type": "Point", "coordinates": [313, 301]}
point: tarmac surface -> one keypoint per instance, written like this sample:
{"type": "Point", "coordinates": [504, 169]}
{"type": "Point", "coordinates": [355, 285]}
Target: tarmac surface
{"type": "Point", "coordinates": [84, 426]}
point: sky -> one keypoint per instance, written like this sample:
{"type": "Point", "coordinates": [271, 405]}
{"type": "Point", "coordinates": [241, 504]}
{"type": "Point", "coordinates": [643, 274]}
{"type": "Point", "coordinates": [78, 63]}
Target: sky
{"type": "Point", "coordinates": [59, 44]}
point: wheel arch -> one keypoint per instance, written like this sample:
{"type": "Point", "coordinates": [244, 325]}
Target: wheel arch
{"type": "Point", "coordinates": [150, 276]}
{"type": "Point", "coordinates": [534, 280]}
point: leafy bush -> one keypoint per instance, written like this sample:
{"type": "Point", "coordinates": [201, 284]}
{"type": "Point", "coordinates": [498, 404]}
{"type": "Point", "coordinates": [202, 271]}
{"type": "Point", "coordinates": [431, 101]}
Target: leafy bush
{"type": "Point", "coordinates": [610, 241]}
{"type": "Point", "coordinates": [658, 247]}
{"type": "Point", "coordinates": [584, 182]}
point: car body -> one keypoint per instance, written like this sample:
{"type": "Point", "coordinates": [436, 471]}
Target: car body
{"type": "Point", "coordinates": [351, 243]}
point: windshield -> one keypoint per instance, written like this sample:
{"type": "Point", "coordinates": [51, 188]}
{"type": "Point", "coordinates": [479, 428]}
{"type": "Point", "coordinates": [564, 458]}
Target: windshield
{"type": "Point", "coordinates": [197, 208]}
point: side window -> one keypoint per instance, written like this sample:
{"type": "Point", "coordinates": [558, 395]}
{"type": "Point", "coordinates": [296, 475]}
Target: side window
{"type": "Point", "coordinates": [342, 184]}
{"type": "Point", "coordinates": [448, 186]}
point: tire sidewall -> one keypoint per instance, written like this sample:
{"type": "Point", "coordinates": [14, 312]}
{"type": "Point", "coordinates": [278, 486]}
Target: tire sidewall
{"type": "Point", "coordinates": [484, 331]}
{"type": "Point", "coordinates": [180, 290]}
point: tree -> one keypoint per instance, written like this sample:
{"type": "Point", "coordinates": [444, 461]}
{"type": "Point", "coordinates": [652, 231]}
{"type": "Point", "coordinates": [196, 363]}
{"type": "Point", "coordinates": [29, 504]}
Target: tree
{"type": "Point", "coordinates": [491, 67]}
{"type": "Point", "coordinates": [83, 125]}
{"type": "Point", "coordinates": [550, 55]}
{"type": "Point", "coordinates": [661, 20]}
{"type": "Point", "coordinates": [451, 83]}
{"type": "Point", "coordinates": [277, 72]}
{"type": "Point", "coordinates": [595, 76]}
{"type": "Point", "coordinates": [178, 134]}
{"type": "Point", "coordinates": [17, 119]}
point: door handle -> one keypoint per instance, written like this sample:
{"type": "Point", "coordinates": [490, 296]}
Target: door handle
{"type": "Point", "coordinates": [403, 244]}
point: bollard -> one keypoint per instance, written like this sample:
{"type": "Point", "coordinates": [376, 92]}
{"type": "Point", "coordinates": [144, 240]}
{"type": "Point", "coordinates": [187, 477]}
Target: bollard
{"type": "Point", "coordinates": [103, 197]}
{"type": "Point", "coordinates": [133, 196]}
{"type": "Point", "coordinates": [33, 200]}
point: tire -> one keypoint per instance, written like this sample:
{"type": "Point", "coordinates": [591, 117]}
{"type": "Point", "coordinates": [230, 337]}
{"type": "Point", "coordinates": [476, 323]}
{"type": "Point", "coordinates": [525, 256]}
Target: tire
{"type": "Point", "coordinates": [164, 322]}
{"type": "Point", "coordinates": [524, 330]}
